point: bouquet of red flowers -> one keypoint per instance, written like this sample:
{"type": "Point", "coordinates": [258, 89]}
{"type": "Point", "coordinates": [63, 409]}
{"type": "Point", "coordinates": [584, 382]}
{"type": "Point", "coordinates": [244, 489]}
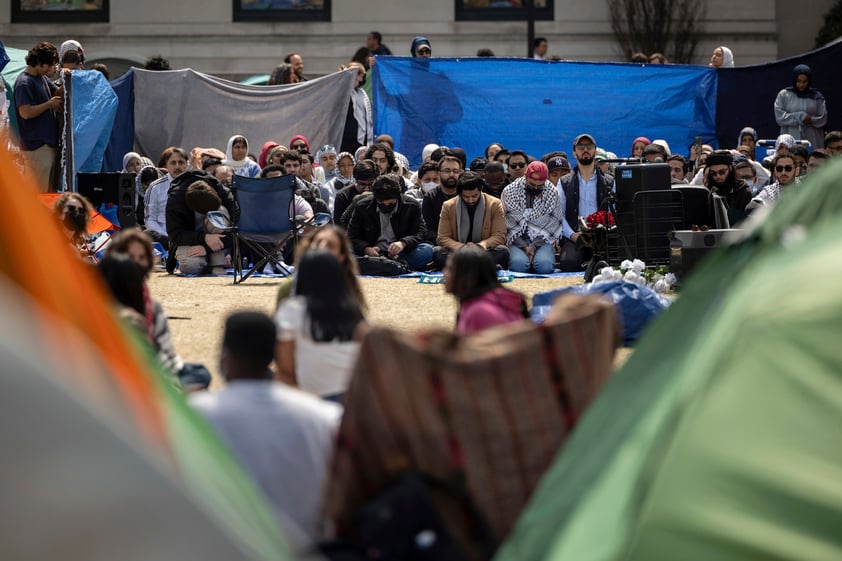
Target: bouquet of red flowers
{"type": "Point", "coordinates": [600, 217]}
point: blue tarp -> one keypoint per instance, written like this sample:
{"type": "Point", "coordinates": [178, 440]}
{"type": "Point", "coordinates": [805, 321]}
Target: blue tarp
{"type": "Point", "coordinates": [94, 107]}
{"type": "Point", "coordinates": [540, 106]}
{"type": "Point", "coordinates": [122, 134]}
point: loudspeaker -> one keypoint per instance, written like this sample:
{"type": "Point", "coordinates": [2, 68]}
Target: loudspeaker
{"type": "Point", "coordinates": [115, 188]}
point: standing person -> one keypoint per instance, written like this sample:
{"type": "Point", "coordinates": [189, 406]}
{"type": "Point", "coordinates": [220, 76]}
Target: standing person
{"type": "Point", "coordinates": [420, 48]}
{"type": "Point", "coordinates": [722, 57]}
{"type": "Point", "coordinates": [297, 63]}
{"type": "Point", "coordinates": [317, 327]}
{"type": "Point", "coordinates": [359, 130]}
{"type": "Point", "coordinates": [71, 55]}
{"type": "Point", "coordinates": [283, 437]}
{"type": "Point", "coordinates": [283, 74]}
{"type": "Point", "coordinates": [37, 100]}
{"type": "Point", "coordinates": [236, 157]}
{"type": "Point", "coordinates": [471, 276]}
{"type": "Point", "coordinates": [586, 189]}
{"type": "Point", "coordinates": [800, 109]}
{"type": "Point", "coordinates": [374, 42]}
{"type": "Point", "coordinates": [534, 221]}
{"type": "Point", "coordinates": [539, 48]}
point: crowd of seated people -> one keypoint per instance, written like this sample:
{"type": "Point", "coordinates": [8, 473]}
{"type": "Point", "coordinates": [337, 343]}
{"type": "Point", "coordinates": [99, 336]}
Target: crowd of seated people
{"type": "Point", "coordinates": [540, 204]}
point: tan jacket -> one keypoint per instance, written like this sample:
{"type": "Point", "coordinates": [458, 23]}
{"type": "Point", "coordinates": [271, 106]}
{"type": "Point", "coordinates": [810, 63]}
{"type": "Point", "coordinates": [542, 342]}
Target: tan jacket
{"type": "Point", "coordinates": [493, 225]}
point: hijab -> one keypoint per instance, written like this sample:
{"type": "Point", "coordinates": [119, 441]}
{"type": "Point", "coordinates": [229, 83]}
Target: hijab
{"type": "Point", "coordinates": [264, 152]}
{"type": "Point", "coordinates": [129, 157]}
{"type": "Point", "coordinates": [727, 58]}
{"type": "Point", "coordinates": [810, 92]}
{"type": "Point", "coordinates": [229, 158]}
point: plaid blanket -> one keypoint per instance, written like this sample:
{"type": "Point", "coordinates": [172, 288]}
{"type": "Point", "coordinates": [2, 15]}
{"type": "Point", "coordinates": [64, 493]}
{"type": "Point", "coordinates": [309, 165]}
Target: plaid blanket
{"type": "Point", "coordinates": [486, 413]}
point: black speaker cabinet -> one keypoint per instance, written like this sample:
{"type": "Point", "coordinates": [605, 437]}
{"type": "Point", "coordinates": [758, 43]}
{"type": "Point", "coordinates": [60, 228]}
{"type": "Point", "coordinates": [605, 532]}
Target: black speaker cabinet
{"type": "Point", "coordinates": [115, 188]}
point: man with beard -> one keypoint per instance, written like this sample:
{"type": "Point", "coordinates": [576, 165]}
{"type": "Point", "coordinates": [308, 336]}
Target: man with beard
{"type": "Point", "coordinates": [585, 190]}
{"type": "Point", "coordinates": [472, 218]}
{"type": "Point", "coordinates": [450, 168]}
{"type": "Point", "coordinates": [786, 171]}
{"type": "Point", "coordinates": [721, 180]}
{"type": "Point", "coordinates": [292, 166]}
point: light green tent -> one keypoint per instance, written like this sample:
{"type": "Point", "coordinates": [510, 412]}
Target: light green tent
{"type": "Point", "coordinates": [721, 438]}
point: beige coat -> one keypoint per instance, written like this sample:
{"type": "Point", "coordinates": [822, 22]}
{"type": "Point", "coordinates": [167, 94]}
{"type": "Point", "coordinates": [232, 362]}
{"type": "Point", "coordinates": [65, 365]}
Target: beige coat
{"type": "Point", "coordinates": [493, 225]}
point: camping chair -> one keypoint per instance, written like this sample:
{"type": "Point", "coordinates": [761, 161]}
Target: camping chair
{"type": "Point", "coordinates": [266, 221]}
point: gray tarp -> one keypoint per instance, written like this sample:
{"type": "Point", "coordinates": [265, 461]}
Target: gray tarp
{"type": "Point", "coordinates": [187, 108]}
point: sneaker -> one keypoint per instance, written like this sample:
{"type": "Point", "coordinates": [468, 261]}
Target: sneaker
{"type": "Point", "coordinates": [268, 268]}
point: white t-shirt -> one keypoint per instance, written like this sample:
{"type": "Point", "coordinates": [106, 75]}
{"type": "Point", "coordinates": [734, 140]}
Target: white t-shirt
{"type": "Point", "coordinates": [321, 368]}
{"type": "Point", "coordinates": [284, 439]}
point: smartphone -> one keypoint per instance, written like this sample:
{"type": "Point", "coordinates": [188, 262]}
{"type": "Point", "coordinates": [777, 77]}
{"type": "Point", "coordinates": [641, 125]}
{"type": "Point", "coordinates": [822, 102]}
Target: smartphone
{"type": "Point", "coordinates": [697, 144]}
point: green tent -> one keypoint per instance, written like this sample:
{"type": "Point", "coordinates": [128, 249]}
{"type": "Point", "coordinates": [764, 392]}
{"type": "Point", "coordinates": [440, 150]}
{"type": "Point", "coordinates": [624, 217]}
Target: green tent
{"type": "Point", "coordinates": [720, 438]}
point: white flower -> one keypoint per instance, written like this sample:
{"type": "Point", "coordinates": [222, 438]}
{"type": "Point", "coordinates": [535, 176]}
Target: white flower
{"type": "Point", "coordinates": [631, 276]}
{"type": "Point", "coordinates": [656, 277]}
{"type": "Point", "coordinates": [670, 279]}
{"type": "Point", "coordinates": [638, 266]}
{"type": "Point", "coordinates": [607, 273]}
{"type": "Point", "coordinates": [596, 279]}
{"type": "Point", "coordinates": [641, 280]}
{"type": "Point", "coordinates": [660, 286]}
{"type": "Point", "coordinates": [625, 265]}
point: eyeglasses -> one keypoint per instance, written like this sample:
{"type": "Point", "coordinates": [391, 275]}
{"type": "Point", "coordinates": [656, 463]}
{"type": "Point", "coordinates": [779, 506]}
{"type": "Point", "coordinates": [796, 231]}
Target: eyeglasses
{"type": "Point", "coordinates": [784, 168]}
{"type": "Point", "coordinates": [719, 172]}
{"type": "Point", "coordinates": [516, 165]}
{"type": "Point", "coordinates": [299, 145]}
{"type": "Point", "coordinates": [585, 146]}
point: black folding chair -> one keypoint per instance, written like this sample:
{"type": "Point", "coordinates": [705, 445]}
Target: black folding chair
{"type": "Point", "coordinates": [266, 223]}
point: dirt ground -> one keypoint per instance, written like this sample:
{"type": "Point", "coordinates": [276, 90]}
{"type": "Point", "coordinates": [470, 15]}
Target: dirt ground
{"type": "Point", "coordinates": [197, 307]}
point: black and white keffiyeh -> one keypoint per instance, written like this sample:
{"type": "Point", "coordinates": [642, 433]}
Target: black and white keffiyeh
{"type": "Point", "coordinates": [544, 220]}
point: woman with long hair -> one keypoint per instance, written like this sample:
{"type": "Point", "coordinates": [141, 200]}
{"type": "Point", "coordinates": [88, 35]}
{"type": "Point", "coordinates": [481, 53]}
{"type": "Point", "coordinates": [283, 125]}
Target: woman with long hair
{"type": "Point", "coordinates": [319, 328]}
{"type": "Point", "coordinates": [74, 213]}
{"type": "Point", "coordinates": [471, 276]}
{"type": "Point", "coordinates": [333, 239]}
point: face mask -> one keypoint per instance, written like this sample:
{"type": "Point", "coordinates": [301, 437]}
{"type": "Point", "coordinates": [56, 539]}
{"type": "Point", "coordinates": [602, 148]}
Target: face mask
{"type": "Point", "coordinates": [429, 187]}
{"type": "Point", "coordinates": [386, 209]}
{"type": "Point", "coordinates": [75, 221]}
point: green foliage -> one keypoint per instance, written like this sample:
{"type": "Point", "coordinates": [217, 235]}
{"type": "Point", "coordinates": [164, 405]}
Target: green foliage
{"type": "Point", "coordinates": [832, 28]}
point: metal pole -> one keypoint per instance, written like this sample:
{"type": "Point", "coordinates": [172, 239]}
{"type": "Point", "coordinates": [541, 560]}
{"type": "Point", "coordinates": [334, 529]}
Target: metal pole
{"type": "Point", "coordinates": [530, 27]}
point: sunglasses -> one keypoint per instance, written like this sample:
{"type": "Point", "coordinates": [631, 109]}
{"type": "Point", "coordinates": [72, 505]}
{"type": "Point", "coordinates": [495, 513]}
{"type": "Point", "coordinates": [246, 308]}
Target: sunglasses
{"type": "Point", "coordinates": [74, 207]}
{"type": "Point", "coordinates": [719, 173]}
{"type": "Point", "coordinates": [585, 146]}
{"type": "Point", "coordinates": [518, 165]}
{"type": "Point", "coordinates": [784, 168]}
{"type": "Point", "coordinates": [297, 145]}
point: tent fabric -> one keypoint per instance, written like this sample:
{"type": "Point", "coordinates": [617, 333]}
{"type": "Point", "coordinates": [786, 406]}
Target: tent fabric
{"type": "Point", "coordinates": [121, 141]}
{"type": "Point", "coordinates": [745, 96]}
{"type": "Point", "coordinates": [114, 373]}
{"type": "Point", "coordinates": [719, 437]}
{"type": "Point", "coordinates": [94, 107]}
{"type": "Point", "coordinates": [187, 108]}
{"type": "Point", "coordinates": [538, 106]}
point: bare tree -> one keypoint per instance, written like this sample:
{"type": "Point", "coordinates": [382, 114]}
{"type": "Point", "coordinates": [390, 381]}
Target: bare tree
{"type": "Point", "coordinates": [672, 27]}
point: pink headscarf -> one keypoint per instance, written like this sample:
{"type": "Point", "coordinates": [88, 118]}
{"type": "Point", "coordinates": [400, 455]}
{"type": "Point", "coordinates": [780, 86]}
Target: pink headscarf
{"type": "Point", "coordinates": [646, 142]}
{"type": "Point", "coordinates": [264, 152]}
{"type": "Point", "coordinates": [299, 137]}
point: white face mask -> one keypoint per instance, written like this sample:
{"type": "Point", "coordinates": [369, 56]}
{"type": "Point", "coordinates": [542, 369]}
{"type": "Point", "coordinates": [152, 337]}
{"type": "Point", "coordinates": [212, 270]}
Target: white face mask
{"type": "Point", "coordinates": [429, 187]}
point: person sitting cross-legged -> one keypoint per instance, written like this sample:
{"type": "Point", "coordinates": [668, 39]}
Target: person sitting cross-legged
{"type": "Point", "coordinates": [389, 224]}
{"type": "Point", "coordinates": [472, 218]}
{"type": "Point", "coordinates": [534, 221]}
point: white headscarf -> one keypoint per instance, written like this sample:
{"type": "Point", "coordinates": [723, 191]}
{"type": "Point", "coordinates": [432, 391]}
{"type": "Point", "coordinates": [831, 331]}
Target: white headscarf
{"type": "Point", "coordinates": [229, 158]}
{"type": "Point", "coordinates": [129, 157]}
{"type": "Point", "coordinates": [727, 58]}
